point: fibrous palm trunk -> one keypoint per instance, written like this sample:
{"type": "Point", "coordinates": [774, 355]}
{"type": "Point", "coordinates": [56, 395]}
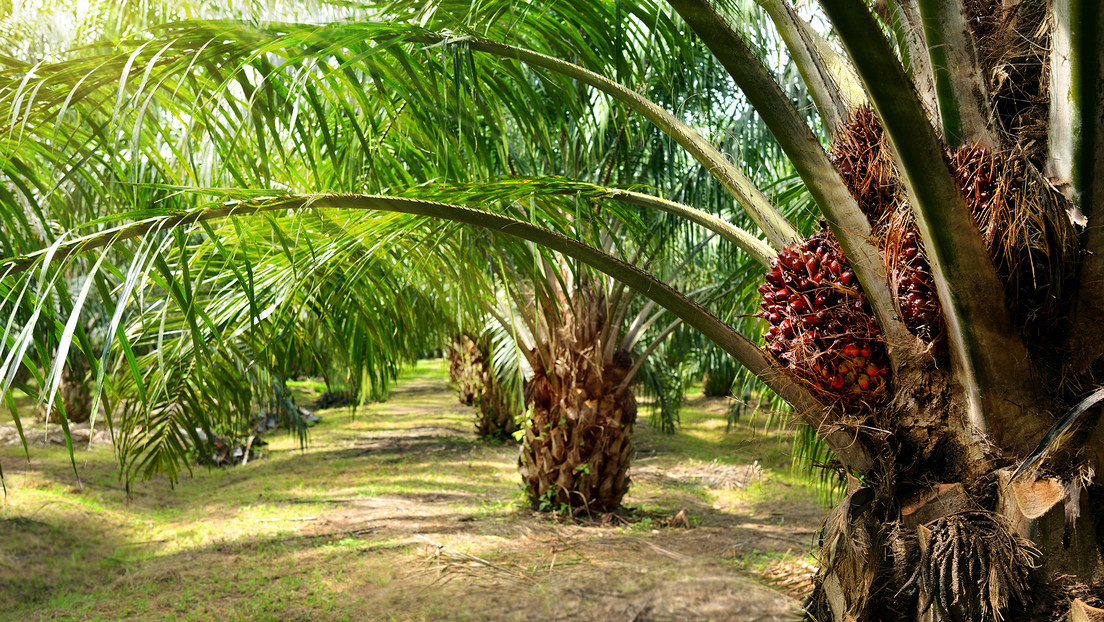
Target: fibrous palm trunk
{"type": "Point", "coordinates": [478, 385]}
{"type": "Point", "coordinates": [577, 445]}
{"type": "Point", "coordinates": [718, 382]}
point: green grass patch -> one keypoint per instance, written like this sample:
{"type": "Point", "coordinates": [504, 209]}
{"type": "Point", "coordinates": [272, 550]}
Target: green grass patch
{"type": "Point", "coordinates": [384, 512]}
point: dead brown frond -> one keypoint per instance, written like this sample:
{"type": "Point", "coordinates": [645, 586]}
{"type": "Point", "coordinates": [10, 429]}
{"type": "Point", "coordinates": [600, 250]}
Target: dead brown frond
{"type": "Point", "coordinates": [449, 562]}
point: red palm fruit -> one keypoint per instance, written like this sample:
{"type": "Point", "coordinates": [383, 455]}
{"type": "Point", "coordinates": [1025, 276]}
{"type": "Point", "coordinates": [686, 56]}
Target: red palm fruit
{"type": "Point", "coordinates": [786, 327]}
{"type": "Point", "coordinates": [822, 329]}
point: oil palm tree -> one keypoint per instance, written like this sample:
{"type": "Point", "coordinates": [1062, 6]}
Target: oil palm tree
{"type": "Point", "coordinates": [941, 332]}
{"type": "Point", "coordinates": [586, 338]}
{"type": "Point", "coordinates": [486, 385]}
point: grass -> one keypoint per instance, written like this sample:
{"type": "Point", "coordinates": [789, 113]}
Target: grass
{"type": "Point", "coordinates": [374, 520]}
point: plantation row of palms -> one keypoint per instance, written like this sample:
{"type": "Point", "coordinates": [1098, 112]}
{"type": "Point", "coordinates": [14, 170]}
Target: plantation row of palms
{"type": "Point", "coordinates": [891, 224]}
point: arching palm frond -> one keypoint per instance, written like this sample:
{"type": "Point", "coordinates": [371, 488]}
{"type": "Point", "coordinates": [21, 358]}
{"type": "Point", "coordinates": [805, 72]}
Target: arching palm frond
{"type": "Point", "coordinates": [372, 106]}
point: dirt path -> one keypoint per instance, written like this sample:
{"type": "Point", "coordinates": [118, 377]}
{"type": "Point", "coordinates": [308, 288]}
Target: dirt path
{"type": "Point", "coordinates": [401, 514]}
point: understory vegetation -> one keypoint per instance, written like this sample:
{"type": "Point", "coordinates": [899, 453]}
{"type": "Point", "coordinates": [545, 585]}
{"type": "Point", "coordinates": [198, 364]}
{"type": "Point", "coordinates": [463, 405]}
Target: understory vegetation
{"type": "Point", "coordinates": [401, 512]}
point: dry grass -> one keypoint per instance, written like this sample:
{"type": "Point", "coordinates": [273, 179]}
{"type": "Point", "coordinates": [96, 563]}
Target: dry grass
{"type": "Point", "coordinates": [401, 514]}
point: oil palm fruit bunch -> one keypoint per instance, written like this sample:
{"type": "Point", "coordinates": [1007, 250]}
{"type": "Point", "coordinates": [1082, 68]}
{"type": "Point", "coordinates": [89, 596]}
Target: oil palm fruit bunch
{"type": "Point", "coordinates": [863, 158]}
{"type": "Point", "coordinates": [1028, 246]}
{"type": "Point", "coordinates": [821, 327]}
{"type": "Point", "coordinates": [910, 276]}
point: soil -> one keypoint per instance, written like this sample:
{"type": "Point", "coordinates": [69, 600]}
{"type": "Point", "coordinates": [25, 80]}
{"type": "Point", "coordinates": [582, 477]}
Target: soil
{"type": "Point", "coordinates": [402, 514]}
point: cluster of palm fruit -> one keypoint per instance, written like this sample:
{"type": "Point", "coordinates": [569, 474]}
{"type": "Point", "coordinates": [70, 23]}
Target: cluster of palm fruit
{"type": "Point", "coordinates": [1027, 233]}
{"type": "Point", "coordinates": [863, 158]}
{"type": "Point", "coordinates": [989, 184]}
{"type": "Point", "coordinates": [910, 276]}
{"type": "Point", "coordinates": [821, 326]}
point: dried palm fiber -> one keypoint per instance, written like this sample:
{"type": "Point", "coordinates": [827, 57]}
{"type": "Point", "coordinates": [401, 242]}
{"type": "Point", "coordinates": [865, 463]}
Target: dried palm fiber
{"type": "Point", "coordinates": [904, 547]}
{"type": "Point", "coordinates": [849, 560]}
{"type": "Point", "coordinates": [973, 562]}
{"type": "Point", "coordinates": [578, 445]}
{"type": "Point", "coordinates": [821, 326]}
{"type": "Point", "coordinates": [1014, 52]}
{"type": "Point", "coordinates": [984, 17]}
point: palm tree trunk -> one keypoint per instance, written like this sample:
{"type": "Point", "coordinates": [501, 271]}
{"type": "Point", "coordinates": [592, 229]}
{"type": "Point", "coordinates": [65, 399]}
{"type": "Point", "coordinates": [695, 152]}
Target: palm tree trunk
{"type": "Point", "coordinates": [578, 444]}
{"type": "Point", "coordinates": [465, 368]}
{"type": "Point", "coordinates": [578, 440]}
{"type": "Point", "coordinates": [717, 382]}
{"type": "Point", "coordinates": [470, 369]}
{"type": "Point", "coordinates": [932, 534]}
{"type": "Point", "coordinates": [74, 393]}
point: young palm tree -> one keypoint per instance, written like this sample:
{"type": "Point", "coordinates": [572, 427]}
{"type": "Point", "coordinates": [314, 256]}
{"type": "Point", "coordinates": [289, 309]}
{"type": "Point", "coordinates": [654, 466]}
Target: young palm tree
{"type": "Point", "coordinates": [586, 339]}
{"type": "Point", "coordinates": [941, 333]}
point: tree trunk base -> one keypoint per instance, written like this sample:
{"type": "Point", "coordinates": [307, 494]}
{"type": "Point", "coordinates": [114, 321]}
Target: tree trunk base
{"type": "Point", "coordinates": [578, 445]}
